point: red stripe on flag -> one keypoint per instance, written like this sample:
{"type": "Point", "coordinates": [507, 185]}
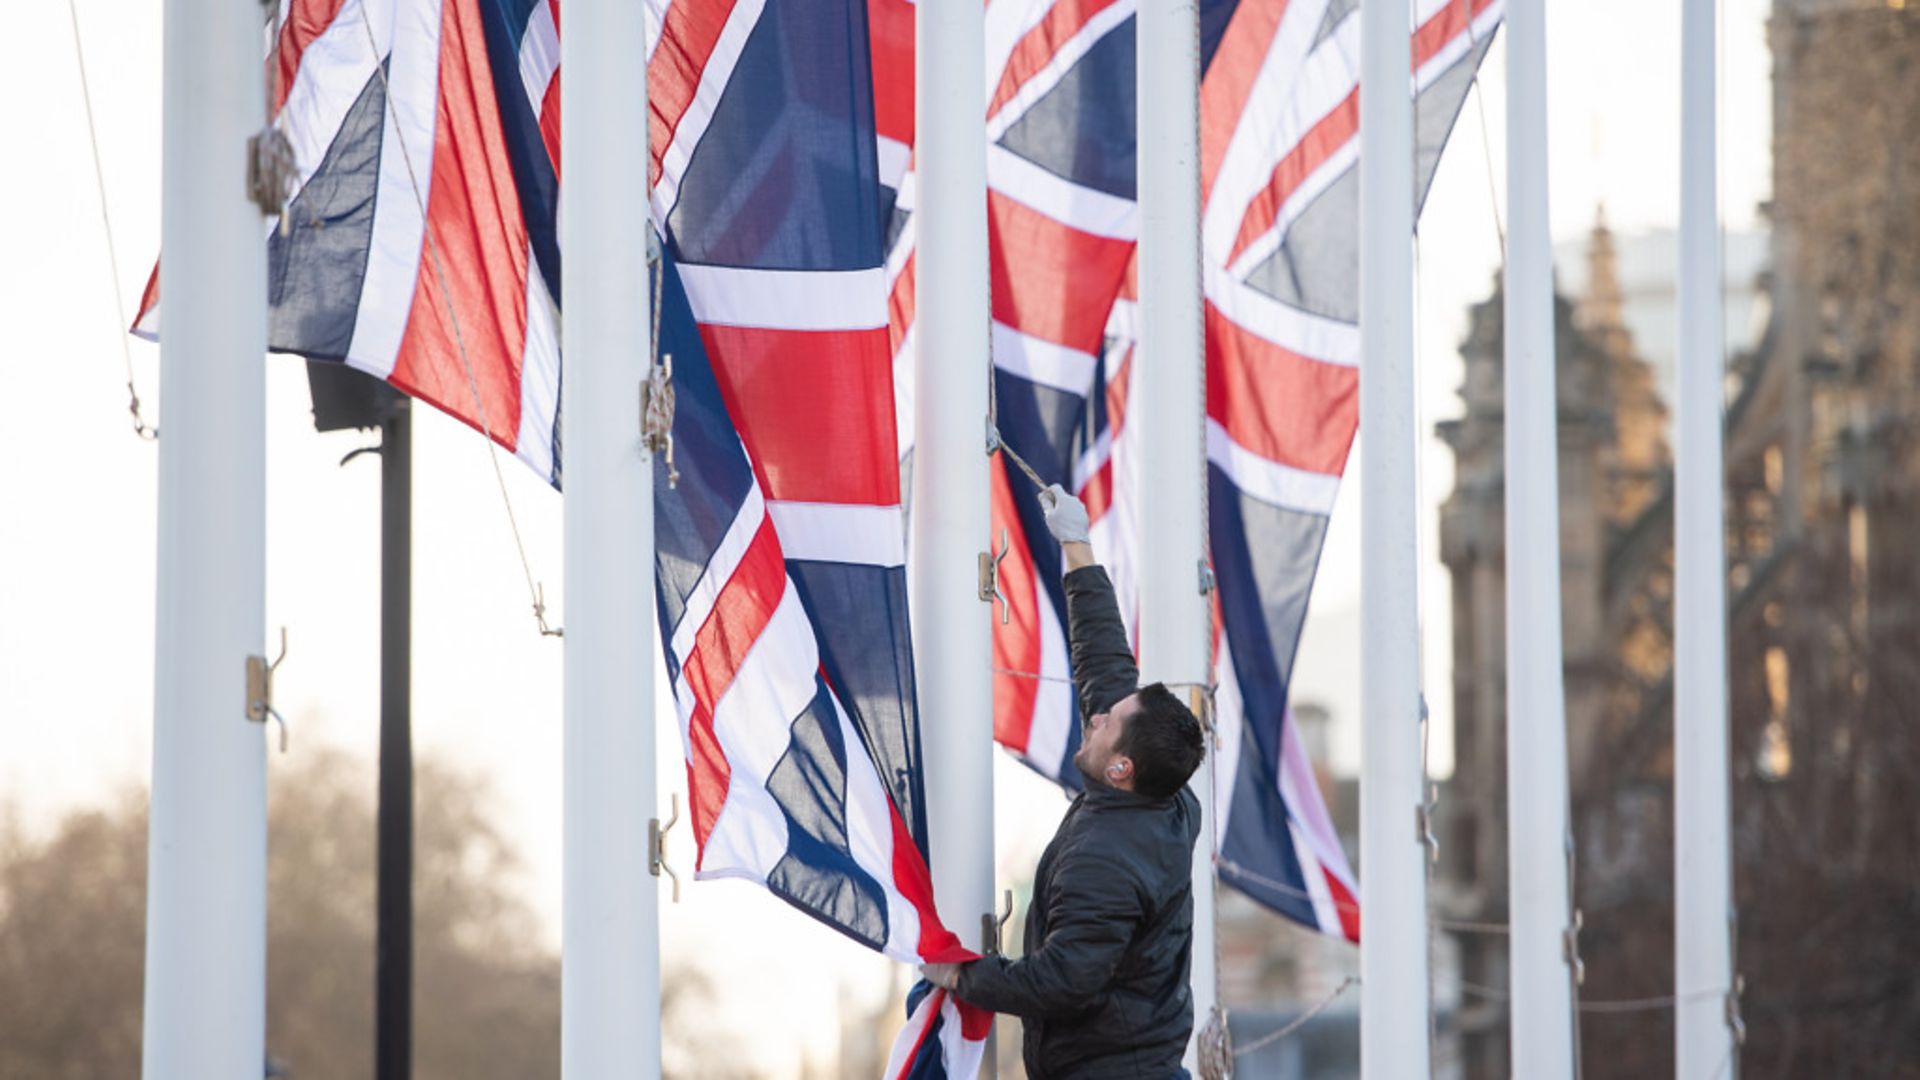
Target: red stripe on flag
{"type": "Point", "coordinates": [1344, 903]}
{"type": "Point", "coordinates": [1097, 493]}
{"type": "Point", "coordinates": [890, 38]}
{"type": "Point", "coordinates": [1330, 133]}
{"type": "Point", "coordinates": [1333, 131]}
{"type": "Point", "coordinates": [815, 408]}
{"type": "Point", "coordinates": [1016, 644]}
{"type": "Point", "coordinates": [900, 306]}
{"type": "Point", "coordinates": [686, 44]}
{"type": "Point", "coordinates": [550, 123]}
{"type": "Point", "coordinates": [937, 944]}
{"type": "Point", "coordinates": [1229, 81]}
{"type": "Point", "coordinates": [1038, 46]}
{"type": "Point", "coordinates": [1447, 23]}
{"type": "Point", "coordinates": [306, 20]}
{"type": "Point", "coordinates": [1285, 407]}
{"type": "Point", "coordinates": [473, 220]}
{"type": "Point", "coordinates": [740, 613]}
{"type": "Point", "coordinates": [1052, 281]}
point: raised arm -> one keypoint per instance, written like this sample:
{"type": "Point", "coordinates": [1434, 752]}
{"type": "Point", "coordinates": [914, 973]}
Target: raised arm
{"type": "Point", "coordinates": [1103, 665]}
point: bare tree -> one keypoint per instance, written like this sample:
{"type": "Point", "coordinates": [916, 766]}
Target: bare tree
{"type": "Point", "coordinates": [486, 989]}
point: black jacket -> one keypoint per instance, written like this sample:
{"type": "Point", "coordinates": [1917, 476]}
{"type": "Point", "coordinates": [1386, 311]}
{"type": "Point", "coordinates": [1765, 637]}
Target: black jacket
{"type": "Point", "coordinates": [1102, 987]}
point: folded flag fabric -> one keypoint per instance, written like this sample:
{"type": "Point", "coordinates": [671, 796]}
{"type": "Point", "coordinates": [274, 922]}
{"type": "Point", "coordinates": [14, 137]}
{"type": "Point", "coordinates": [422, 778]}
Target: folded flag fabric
{"type": "Point", "coordinates": [421, 247]}
{"type": "Point", "coordinates": [1279, 149]}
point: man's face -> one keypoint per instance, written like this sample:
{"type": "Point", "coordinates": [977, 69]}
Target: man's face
{"type": "Point", "coordinates": [1098, 757]}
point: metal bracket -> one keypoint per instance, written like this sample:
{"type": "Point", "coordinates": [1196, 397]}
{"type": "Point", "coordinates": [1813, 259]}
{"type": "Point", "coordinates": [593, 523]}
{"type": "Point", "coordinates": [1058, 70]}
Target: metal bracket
{"type": "Point", "coordinates": [656, 414]}
{"type": "Point", "coordinates": [657, 846]}
{"type": "Point", "coordinates": [260, 689]}
{"type": "Point", "coordinates": [1423, 824]}
{"type": "Point", "coordinates": [991, 924]}
{"type": "Point", "coordinates": [990, 578]}
{"type": "Point", "coordinates": [993, 438]}
{"type": "Point", "coordinates": [1570, 948]}
{"type": "Point", "coordinates": [1734, 1019]}
{"type": "Point", "coordinates": [1206, 578]}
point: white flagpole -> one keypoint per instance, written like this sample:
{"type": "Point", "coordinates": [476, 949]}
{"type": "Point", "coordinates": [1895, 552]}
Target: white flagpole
{"type": "Point", "coordinates": [610, 907]}
{"type": "Point", "coordinates": [1703, 893]}
{"type": "Point", "coordinates": [1541, 1015]}
{"type": "Point", "coordinates": [1169, 376]}
{"type": "Point", "coordinates": [206, 963]}
{"type": "Point", "coordinates": [1393, 884]}
{"type": "Point", "coordinates": [951, 627]}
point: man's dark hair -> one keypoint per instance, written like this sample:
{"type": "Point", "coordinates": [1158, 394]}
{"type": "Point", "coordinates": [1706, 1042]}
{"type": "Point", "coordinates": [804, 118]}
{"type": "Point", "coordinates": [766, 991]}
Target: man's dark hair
{"type": "Point", "coordinates": [1163, 739]}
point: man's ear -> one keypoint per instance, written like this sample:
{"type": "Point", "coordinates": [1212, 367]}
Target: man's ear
{"type": "Point", "coordinates": [1120, 769]}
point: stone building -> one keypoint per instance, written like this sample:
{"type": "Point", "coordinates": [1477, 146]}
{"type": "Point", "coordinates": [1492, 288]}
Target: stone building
{"type": "Point", "coordinates": [1823, 485]}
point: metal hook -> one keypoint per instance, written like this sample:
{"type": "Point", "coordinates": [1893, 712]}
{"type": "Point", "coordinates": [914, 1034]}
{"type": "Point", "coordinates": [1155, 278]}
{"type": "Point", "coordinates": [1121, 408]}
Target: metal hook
{"type": "Point", "coordinates": [990, 577]}
{"type": "Point", "coordinates": [657, 846]}
{"type": "Point", "coordinates": [991, 925]}
{"type": "Point", "coordinates": [1570, 948]}
{"type": "Point", "coordinates": [260, 689]}
{"type": "Point", "coordinates": [540, 612]}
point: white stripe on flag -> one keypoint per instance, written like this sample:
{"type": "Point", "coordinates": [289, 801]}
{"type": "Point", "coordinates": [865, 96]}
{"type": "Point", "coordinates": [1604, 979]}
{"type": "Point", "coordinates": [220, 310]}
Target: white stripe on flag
{"type": "Point", "coordinates": [1048, 77]}
{"type": "Point", "coordinates": [539, 373]}
{"type": "Point", "coordinates": [787, 299]}
{"type": "Point", "coordinates": [840, 532]}
{"type": "Point", "coordinates": [1329, 341]}
{"type": "Point", "coordinates": [1254, 147]}
{"type": "Point", "coordinates": [719, 570]}
{"type": "Point", "coordinates": [870, 838]}
{"type": "Point", "coordinates": [539, 53]}
{"type": "Point", "coordinates": [399, 224]}
{"type": "Point", "coordinates": [741, 20]}
{"type": "Point", "coordinates": [1269, 481]}
{"type": "Point", "coordinates": [1042, 362]}
{"type": "Point", "coordinates": [753, 722]}
{"type": "Point", "coordinates": [1093, 212]}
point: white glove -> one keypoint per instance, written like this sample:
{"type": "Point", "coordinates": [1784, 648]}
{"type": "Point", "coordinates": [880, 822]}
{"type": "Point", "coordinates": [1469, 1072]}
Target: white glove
{"type": "Point", "coordinates": [1066, 515]}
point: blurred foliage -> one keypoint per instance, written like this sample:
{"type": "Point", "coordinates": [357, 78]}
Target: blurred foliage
{"type": "Point", "coordinates": [486, 988]}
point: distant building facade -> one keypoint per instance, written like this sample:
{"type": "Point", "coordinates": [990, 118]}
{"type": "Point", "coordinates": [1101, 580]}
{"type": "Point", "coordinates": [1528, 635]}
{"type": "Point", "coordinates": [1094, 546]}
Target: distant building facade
{"type": "Point", "coordinates": [1823, 554]}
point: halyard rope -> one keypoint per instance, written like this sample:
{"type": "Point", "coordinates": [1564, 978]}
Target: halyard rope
{"type": "Point", "coordinates": [535, 591]}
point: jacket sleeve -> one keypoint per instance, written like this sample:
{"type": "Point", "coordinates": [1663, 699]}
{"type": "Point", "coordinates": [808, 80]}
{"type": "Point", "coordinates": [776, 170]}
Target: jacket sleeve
{"type": "Point", "coordinates": [1095, 913]}
{"type": "Point", "coordinates": [1103, 664]}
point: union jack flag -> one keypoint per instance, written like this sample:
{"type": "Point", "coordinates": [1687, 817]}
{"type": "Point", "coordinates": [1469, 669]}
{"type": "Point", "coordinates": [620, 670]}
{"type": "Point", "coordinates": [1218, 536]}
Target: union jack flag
{"type": "Point", "coordinates": [1279, 118]}
{"type": "Point", "coordinates": [421, 247]}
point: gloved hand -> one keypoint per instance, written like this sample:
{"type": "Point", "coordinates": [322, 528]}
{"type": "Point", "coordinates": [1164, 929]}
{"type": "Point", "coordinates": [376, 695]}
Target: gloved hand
{"type": "Point", "coordinates": [945, 976]}
{"type": "Point", "coordinates": [1066, 515]}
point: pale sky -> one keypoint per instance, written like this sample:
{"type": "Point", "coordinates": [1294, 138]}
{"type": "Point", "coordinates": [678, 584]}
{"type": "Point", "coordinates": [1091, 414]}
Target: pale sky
{"type": "Point", "coordinates": [77, 489]}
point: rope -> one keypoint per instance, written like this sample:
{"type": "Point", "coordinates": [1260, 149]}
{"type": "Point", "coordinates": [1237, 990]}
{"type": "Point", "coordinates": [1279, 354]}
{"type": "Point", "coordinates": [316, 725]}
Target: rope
{"type": "Point", "coordinates": [140, 426]}
{"type": "Point", "coordinates": [1486, 143]}
{"type": "Point", "coordinates": [656, 409]}
{"type": "Point", "coordinates": [535, 591]}
{"type": "Point", "coordinates": [1299, 1022]}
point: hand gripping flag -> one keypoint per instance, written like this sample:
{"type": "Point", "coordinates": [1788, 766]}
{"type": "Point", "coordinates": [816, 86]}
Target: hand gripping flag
{"type": "Point", "coordinates": [421, 248]}
{"type": "Point", "coordinates": [1279, 148]}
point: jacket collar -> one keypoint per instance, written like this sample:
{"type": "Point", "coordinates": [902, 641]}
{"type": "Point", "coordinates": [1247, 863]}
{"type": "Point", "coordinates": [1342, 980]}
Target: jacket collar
{"type": "Point", "coordinates": [1103, 796]}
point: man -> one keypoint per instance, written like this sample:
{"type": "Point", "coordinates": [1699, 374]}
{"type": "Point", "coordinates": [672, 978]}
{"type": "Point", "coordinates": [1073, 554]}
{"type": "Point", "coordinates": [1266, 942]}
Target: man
{"type": "Point", "coordinates": [1102, 988]}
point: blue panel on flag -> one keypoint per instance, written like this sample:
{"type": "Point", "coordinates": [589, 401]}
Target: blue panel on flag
{"type": "Point", "coordinates": [1263, 603]}
{"type": "Point", "coordinates": [315, 271]}
{"type": "Point", "coordinates": [859, 615]}
{"type": "Point", "coordinates": [819, 873]}
{"type": "Point", "coordinates": [1041, 423]}
{"type": "Point", "coordinates": [506, 23]}
{"type": "Point", "coordinates": [785, 177]}
{"type": "Point", "coordinates": [690, 519]}
{"type": "Point", "coordinates": [1257, 837]}
{"type": "Point", "coordinates": [1083, 129]}
{"type": "Point", "coordinates": [1214, 17]}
